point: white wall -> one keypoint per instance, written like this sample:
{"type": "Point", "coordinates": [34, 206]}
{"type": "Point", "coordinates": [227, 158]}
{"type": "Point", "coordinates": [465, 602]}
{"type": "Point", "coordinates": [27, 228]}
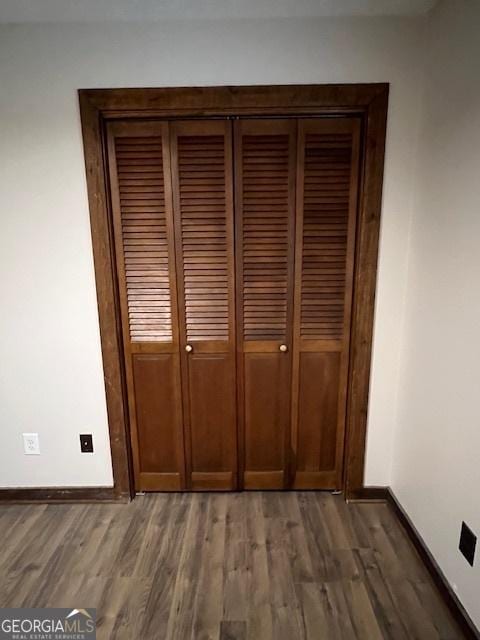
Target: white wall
{"type": "Point", "coordinates": [436, 470]}
{"type": "Point", "coordinates": [50, 359]}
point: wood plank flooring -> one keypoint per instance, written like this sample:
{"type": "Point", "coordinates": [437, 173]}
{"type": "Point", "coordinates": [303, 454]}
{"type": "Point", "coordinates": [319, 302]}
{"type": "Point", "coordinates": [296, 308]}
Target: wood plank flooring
{"type": "Point", "coordinates": [231, 566]}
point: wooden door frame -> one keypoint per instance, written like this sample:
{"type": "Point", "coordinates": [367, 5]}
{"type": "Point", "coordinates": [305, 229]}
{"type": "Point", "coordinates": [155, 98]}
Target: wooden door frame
{"type": "Point", "coordinates": [366, 101]}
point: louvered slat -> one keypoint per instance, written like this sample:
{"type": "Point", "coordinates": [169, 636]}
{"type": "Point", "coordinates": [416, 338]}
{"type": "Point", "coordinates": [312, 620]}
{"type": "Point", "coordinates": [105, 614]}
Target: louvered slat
{"type": "Point", "coordinates": [265, 219]}
{"type": "Point", "coordinates": [144, 234]}
{"type": "Point", "coordinates": [202, 202]}
{"type": "Point", "coordinates": [327, 167]}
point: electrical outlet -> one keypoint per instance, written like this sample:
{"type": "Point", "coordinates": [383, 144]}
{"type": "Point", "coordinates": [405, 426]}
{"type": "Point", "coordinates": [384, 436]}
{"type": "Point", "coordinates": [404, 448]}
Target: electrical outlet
{"type": "Point", "coordinates": [31, 444]}
{"type": "Point", "coordinates": [86, 443]}
{"type": "Point", "coordinates": [468, 542]}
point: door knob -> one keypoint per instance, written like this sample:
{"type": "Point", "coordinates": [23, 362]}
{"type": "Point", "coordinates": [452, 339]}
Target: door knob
{"type": "Point", "coordinates": [189, 348]}
{"type": "Point", "coordinates": [283, 347]}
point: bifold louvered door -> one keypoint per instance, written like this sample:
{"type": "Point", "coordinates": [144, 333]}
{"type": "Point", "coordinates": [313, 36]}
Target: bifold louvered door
{"type": "Point", "coordinates": [139, 167]}
{"type": "Point", "coordinates": [265, 227]}
{"type": "Point", "coordinates": [327, 185]}
{"type": "Point", "coordinates": [203, 204]}
{"type": "Point", "coordinates": [235, 244]}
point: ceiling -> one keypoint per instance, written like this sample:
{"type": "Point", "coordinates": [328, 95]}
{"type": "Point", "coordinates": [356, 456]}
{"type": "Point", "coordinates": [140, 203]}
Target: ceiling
{"type": "Point", "coordinates": [139, 10]}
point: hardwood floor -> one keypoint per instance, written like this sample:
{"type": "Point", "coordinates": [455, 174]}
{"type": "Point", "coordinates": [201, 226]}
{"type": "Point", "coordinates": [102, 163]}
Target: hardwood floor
{"type": "Point", "coordinates": [244, 566]}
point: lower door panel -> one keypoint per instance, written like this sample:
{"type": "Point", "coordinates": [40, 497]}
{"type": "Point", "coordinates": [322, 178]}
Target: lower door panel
{"type": "Point", "coordinates": [158, 421]}
{"type": "Point", "coordinates": [213, 426]}
{"type": "Point", "coordinates": [318, 414]}
{"type": "Point", "coordinates": [267, 419]}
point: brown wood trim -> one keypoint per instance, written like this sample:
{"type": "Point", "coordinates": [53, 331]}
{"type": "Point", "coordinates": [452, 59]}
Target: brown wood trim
{"type": "Point", "coordinates": [233, 100]}
{"type": "Point", "coordinates": [213, 481]}
{"type": "Point", "coordinates": [107, 297]}
{"type": "Point", "coordinates": [167, 481]}
{"type": "Point", "coordinates": [60, 494]}
{"type": "Point", "coordinates": [317, 480]}
{"type": "Point", "coordinates": [264, 480]}
{"type": "Point", "coordinates": [369, 494]}
{"type": "Point", "coordinates": [364, 288]}
{"type": "Point", "coordinates": [368, 101]}
{"type": "Point", "coordinates": [448, 595]}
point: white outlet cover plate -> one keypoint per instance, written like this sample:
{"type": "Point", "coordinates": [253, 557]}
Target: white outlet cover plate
{"type": "Point", "coordinates": [31, 444]}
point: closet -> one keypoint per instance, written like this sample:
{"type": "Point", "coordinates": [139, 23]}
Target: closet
{"type": "Point", "coordinates": [234, 251]}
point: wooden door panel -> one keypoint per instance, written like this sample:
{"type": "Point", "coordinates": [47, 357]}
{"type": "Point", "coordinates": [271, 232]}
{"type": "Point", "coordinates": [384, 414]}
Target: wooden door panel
{"type": "Point", "coordinates": [318, 400]}
{"type": "Point", "coordinates": [265, 200]}
{"type": "Point", "coordinates": [139, 171]}
{"type": "Point", "coordinates": [203, 209]}
{"type": "Point", "coordinates": [212, 415]}
{"type": "Point", "coordinates": [158, 414]}
{"type": "Point", "coordinates": [267, 406]}
{"type": "Point", "coordinates": [327, 186]}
